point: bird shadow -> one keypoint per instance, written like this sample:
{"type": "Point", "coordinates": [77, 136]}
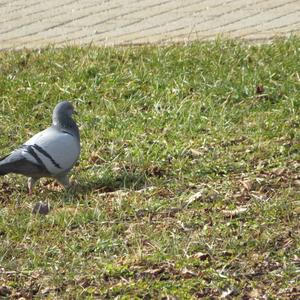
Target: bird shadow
{"type": "Point", "coordinates": [105, 184]}
{"type": "Point", "coordinates": [111, 183]}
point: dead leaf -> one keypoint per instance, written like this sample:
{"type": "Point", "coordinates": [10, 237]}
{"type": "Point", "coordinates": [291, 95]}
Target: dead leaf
{"type": "Point", "coordinates": [235, 212]}
{"type": "Point", "coordinates": [228, 292]}
{"type": "Point", "coordinates": [201, 255]}
{"type": "Point", "coordinates": [296, 261]}
{"type": "Point", "coordinates": [154, 272]}
{"type": "Point", "coordinates": [46, 291]}
{"type": "Point", "coordinates": [5, 188]}
{"type": "Point", "coordinates": [194, 198]}
{"type": "Point", "coordinates": [187, 273]}
{"type": "Point", "coordinates": [170, 212]}
{"type": "Point", "coordinates": [184, 228]}
{"type": "Point", "coordinates": [95, 158]}
{"type": "Point", "coordinates": [297, 210]}
{"type": "Point", "coordinates": [280, 171]}
{"type": "Point", "coordinates": [297, 182]}
{"type": "Point", "coordinates": [287, 243]}
{"type": "Point", "coordinates": [260, 89]}
{"type": "Point", "coordinates": [155, 171]}
{"type": "Point", "coordinates": [52, 185]}
{"type": "Point", "coordinates": [227, 253]}
{"type": "Point", "coordinates": [169, 297]}
{"type": "Point", "coordinates": [255, 294]}
{"type": "Point", "coordinates": [247, 184]}
{"type": "Point", "coordinates": [194, 153]}
{"type": "Point", "coordinates": [164, 192]}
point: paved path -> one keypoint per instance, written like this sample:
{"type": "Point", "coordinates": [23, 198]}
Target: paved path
{"type": "Point", "coordinates": [36, 23]}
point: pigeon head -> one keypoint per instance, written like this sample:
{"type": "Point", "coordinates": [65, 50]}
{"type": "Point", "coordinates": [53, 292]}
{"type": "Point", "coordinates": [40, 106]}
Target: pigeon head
{"type": "Point", "coordinates": [62, 110]}
{"type": "Point", "coordinates": [62, 116]}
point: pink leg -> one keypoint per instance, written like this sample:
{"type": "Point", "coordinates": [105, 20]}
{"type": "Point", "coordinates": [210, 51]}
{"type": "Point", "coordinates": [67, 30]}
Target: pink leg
{"type": "Point", "coordinates": [30, 183]}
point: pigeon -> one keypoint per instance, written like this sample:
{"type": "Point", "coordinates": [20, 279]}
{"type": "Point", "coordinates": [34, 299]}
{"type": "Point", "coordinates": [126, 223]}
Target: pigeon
{"type": "Point", "coordinates": [49, 153]}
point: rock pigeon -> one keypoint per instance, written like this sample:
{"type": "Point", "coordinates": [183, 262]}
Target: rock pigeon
{"type": "Point", "coordinates": [50, 153]}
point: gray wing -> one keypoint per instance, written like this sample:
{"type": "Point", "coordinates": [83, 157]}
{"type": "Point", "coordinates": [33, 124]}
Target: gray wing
{"type": "Point", "coordinates": [17, 163]}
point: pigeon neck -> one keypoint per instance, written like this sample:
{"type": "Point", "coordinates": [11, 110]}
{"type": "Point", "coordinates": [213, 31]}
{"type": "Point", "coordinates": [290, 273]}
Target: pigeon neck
{"type": "Point", "coordinates": [67, 124]}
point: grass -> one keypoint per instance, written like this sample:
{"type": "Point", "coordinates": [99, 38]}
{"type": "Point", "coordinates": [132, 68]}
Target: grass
{"type": "Point", "coordinates": [218, 121]}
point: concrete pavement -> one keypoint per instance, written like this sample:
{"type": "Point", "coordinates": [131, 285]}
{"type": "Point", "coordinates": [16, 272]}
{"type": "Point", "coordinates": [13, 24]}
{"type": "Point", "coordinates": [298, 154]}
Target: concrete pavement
{"type": "Point", "coordinates": [36, 23]}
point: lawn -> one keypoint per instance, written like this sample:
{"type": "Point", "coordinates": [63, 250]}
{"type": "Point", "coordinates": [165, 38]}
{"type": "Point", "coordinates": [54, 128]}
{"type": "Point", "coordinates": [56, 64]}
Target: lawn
{"type": "Point", "coordinates": [188, 185]}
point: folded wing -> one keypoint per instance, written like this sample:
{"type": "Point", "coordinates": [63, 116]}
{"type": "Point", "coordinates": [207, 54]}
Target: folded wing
{"type": "Point", "coordinates": [55, 150]}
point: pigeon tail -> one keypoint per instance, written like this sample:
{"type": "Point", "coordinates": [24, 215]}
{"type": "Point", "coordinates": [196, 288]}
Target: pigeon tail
{"type": "Point", "coordinates": [15, 163]}
{"type": "Point", "coordinates": [4, 169]}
